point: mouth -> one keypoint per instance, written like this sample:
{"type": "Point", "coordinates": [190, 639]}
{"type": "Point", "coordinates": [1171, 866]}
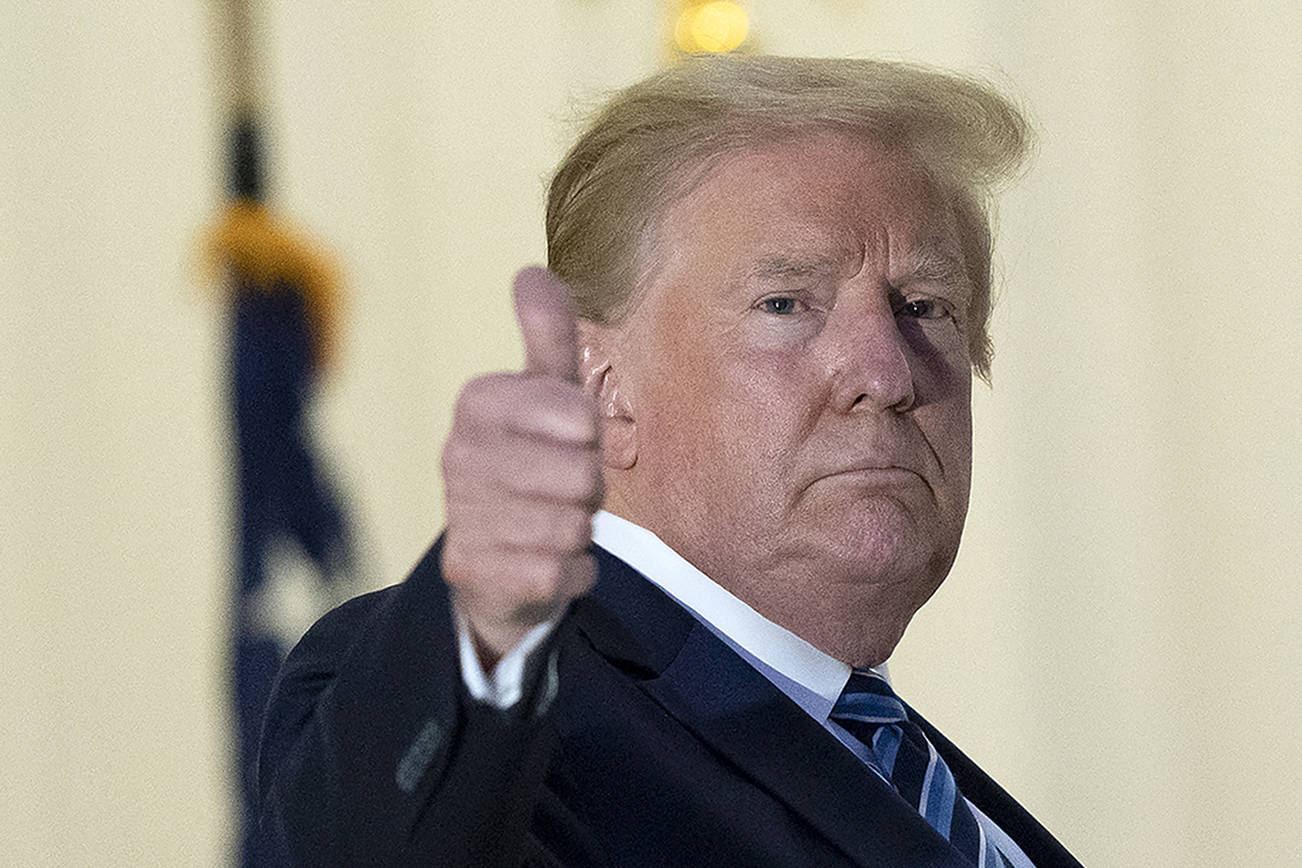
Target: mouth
{"type": "Point", "coordinates": [877, 475]}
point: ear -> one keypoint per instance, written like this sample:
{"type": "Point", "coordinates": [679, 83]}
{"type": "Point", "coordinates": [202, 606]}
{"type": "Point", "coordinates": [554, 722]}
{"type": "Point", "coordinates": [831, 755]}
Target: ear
{"type": "Point", "coordinates": [602, 376]}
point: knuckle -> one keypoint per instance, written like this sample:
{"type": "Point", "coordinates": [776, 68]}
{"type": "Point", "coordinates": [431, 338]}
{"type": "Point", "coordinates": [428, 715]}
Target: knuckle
{"type": "Point", "coordinates": [580, 575]}
{"type": "Point", "coordinates": [556, 420]}
{"type": "Point", "coordinates": [481, 395]}
{"type": "Point", "coordinates": [583, 484]}
{"type": "Point", "coordinates": [576, 533]}
{"type": "Point", "coordinates": [471, 394]}
{"type": "Point", "coordinates": [448, 457]}
{"type": "Point", "coordinates": [581, 480]}
{"type": "Point", "coordinates": [569, 413]}
{"type": "Point", "coordinates": [568, 530]}
{"type": "Point", "coordinates": [523, 534]}
{"type": "Point", "coordinates": [576, 490]}
{"type": "Point", "coordinates": [456, 454]}
{"type": "Point", "coordinates": [595, 489]}
{"type": "Point", "coordinates": [541, 580]}
{"type": "Point", "coordinates": [586, 575]}
{"type": "Point", "coordinates": [546, 526]}
{"type": "Point", "coordinates": [582, 423]}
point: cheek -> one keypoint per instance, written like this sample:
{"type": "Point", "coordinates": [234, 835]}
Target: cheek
{"type": "Point", "coordinates": [947, 426]}
{"type": "Point", "coordinates": [939, 360]}
{"type": "Point", "coordinates": [678, 401]}
{"type": "Point", "coordinates": [939, 339]}
{"type": "Point", "coordinates": [734, 415]}
{"type": "Point", "coordinates": [943, 399]}
{"type": "Point", "coordinates": [767, 412]}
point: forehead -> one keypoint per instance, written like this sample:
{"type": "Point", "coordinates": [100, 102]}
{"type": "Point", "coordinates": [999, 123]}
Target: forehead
{"type": "Point", "coordinates": [820, 195]}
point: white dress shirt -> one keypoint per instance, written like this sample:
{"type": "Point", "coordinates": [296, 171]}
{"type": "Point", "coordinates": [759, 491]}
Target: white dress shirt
{"type": "Point", "coordinates": [811, 678]}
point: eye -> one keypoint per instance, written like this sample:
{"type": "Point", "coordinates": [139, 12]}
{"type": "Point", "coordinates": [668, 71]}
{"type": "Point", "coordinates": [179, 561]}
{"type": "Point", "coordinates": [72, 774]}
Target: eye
{"type": "Point", "coordinates": [922, 308]}
{"type": "Point", "coordinates": [781, 305]}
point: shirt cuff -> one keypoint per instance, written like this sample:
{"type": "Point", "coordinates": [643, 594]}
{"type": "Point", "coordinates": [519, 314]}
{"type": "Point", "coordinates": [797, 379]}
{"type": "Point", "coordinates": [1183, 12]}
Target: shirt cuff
{"type": "Point", "coordinates": [503, 687]}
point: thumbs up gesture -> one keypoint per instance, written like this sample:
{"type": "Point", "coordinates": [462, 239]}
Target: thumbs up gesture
{"type": "Point", "coordinates": [522, 479]}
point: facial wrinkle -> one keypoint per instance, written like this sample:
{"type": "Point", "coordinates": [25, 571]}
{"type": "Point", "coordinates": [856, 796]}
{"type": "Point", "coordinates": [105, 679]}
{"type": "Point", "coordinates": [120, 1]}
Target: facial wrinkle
{"type": "Point", "coordinates": [781, 266]}
{"type": "Point", "coordinates": [863, 258]}
{"type": "Point", "coordinates": [888, 266]}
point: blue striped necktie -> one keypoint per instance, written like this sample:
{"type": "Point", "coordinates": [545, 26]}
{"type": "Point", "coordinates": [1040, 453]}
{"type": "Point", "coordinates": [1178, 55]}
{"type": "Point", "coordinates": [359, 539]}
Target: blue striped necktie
{"type": "Point", "coordinates": [871, 712]}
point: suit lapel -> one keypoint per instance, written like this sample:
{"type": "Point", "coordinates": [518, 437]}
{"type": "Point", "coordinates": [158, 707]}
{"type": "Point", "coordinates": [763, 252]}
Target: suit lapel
{"type": "Point", "coordinates": [752, 725]}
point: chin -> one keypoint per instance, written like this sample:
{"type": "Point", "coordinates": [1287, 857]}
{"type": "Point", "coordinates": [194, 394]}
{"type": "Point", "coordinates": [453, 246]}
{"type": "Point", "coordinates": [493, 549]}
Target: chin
{"type": "Point", "coordinates": [882, 546]}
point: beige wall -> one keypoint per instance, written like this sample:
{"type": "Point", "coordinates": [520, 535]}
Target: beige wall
{"type": "Point", "coordinates": [1121, 640]}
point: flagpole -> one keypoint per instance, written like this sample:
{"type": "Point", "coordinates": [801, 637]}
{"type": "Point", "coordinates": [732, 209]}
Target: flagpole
{"type": "Point", "coordinates": [280, 290]}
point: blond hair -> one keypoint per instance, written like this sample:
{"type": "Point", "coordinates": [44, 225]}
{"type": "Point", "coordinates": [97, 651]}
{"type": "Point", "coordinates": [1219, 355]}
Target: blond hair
{"type": "Point", "coordinates": [653, 139]}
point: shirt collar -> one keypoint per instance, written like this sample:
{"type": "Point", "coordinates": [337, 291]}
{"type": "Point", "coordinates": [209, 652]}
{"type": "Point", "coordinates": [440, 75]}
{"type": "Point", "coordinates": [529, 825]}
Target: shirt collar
{"type": "Point", "coordinates": [769, 647]}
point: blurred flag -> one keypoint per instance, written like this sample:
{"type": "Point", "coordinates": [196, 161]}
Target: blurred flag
{"type": "Point", "coordinates": [282, 297]}
{"type": "Point", "coordinates": [281, 292]}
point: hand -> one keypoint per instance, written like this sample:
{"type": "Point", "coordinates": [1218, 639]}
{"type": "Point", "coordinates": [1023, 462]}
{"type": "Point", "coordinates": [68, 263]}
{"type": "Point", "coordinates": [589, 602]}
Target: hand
{"type": "Point", "coordinates": [522, 478]}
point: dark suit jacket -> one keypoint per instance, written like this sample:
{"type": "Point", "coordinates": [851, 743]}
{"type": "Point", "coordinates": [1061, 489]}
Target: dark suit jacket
{"type": "Point", "coordinates": [661, 748]}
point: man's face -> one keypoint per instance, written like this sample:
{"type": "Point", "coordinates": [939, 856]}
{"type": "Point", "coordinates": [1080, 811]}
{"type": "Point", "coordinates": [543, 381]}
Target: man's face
{"type": "Point", "coordinates": [798, 380]}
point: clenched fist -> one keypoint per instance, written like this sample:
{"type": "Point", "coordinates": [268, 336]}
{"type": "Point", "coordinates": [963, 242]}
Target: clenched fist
{"type": "Point", "coordinates": [522, 478]}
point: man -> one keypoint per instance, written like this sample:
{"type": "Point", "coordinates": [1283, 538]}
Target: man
{"type": "Point", "coordinates": [781, 270]}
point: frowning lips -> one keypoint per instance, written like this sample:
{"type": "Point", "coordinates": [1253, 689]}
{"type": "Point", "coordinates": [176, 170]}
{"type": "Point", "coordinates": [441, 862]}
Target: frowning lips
{"type": "Point", "coordinates": [875, 472]}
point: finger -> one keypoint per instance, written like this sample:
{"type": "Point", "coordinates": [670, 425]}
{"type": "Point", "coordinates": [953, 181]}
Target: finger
{"type": "Point", "coordinates": [552, 528]}
{"type": "Point", "coordinates": [547, 320]}
{"type": "Point", "coordinates": [553, 472]}
{"type": "Point", "coordinates": [530, 587]}
{"type": "Point", "coordinates": [523, 468]}
{"type": "Point", "coordinates": [493, 404]}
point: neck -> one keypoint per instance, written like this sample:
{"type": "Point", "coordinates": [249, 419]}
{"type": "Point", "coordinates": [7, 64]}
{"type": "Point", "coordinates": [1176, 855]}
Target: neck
{"type": "Point", "coordinates": [852, 620]}
{"type": "Point", "coordinates": [859, 624]}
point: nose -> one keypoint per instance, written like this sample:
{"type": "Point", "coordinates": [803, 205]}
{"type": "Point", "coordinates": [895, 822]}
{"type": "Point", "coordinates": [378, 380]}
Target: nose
{"type": "Point", "coordinates": [870, 367]}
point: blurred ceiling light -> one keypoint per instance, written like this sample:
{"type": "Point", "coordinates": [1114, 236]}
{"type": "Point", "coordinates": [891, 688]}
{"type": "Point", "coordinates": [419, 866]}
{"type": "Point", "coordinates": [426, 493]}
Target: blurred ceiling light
{"type": "Point", "coordinates": [716, 27]}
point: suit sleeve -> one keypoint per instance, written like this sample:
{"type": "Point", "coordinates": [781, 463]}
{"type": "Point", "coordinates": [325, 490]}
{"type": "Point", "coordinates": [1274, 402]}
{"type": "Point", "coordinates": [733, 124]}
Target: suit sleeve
{"type": "Point", "coordinates": [374, 754]}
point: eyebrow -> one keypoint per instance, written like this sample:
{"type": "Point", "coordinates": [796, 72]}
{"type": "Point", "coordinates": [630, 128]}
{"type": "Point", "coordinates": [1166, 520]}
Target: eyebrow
{"type": "Point", "coordinates": [779, 266]}
{"type": "Point", "coordinates": [925, 265]}
{"type": "Point", "coordinates": [936, 267]}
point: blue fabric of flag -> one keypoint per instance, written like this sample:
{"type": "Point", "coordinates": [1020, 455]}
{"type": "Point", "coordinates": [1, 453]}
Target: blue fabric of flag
{"type": "Point", "coordinates": [283, 494]}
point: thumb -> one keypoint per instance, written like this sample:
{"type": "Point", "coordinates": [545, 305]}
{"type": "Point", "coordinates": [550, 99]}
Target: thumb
{"type": "Point", "coordinates": [548, 322]}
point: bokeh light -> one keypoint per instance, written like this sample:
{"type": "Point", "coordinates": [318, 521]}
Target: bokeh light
{"type": "Point", "coordinates": [717, 27]}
